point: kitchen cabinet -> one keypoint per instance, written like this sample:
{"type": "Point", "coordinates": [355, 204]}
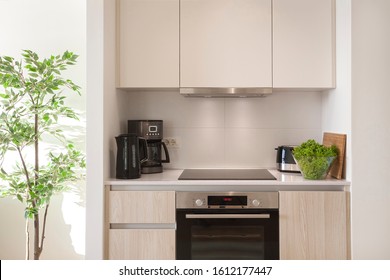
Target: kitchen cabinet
{"type": "Point", "coordinates": [148, 43]}
{"type": "Point", "coordinates": [142, 244]}
{"type": "Point", "coordinates": [314, 225]}
{"type": "Point", "coordinates": [304, 44]}
{"type": "Point", "coordinates": [225, 43]}
{"type": "Point", "coordinates": [140, 224]}
{"type": "Point", "coordinates": [282, 44]}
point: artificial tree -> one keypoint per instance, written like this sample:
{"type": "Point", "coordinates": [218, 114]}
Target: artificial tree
{"type": "Point", "coordinates": [32, 101]}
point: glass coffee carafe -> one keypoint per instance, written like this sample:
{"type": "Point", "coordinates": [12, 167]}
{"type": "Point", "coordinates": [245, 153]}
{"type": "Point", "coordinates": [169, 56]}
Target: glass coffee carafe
{"type": "Point", "coordinates": [154, 162]}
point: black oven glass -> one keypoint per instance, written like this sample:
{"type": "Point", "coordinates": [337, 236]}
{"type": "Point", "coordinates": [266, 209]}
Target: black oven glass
{"type": "Point", "coordinates": [227, 238]}
{"type": "Point", "coordinates": [227, 242]}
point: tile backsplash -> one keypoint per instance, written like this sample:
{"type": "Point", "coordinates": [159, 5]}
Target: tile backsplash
{"type": "Point", "coordinates": [228, 132]}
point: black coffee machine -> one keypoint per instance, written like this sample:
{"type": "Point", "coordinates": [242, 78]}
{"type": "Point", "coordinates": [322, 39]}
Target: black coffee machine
{"type": "Point", "coordinates": [128, 158]}
{"type": "Point", "coordinates": [152, 131]}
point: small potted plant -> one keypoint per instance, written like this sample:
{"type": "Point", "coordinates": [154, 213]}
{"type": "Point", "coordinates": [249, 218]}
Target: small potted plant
{"type": "Point", "coordinates": [314, 159]}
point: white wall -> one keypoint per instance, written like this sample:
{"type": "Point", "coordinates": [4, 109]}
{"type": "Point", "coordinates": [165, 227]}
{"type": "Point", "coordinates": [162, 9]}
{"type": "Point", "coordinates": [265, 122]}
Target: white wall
{"type": "Point", "coordinates": [102, 116]}
{"type": "Point", "coordinates": [47, 27]}
{"type": "Point", "coordinates": [370, 129]}
{"type": "Point", "coordinates": [336, 104]}
{"type": "Point", "coordinates": [95, 135]}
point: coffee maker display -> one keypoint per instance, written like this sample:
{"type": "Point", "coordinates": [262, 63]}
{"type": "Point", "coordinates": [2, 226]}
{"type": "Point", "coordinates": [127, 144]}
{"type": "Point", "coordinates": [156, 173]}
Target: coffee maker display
{"type": "Point", "coordinates": [152, 131]}
{"type": "Point", "coordinates": [128, 159]}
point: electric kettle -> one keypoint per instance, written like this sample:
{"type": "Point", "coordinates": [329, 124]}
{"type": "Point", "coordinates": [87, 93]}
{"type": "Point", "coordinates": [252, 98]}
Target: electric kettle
{"type": "Point", "coordinates": [285, 161]}
{"type": "Point", "coordinates": [128, 161]}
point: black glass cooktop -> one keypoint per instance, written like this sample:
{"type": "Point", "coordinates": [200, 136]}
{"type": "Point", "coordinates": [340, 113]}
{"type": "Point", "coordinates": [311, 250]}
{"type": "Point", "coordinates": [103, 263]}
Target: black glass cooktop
{"type": "Point", "coordinates": [226, 174]}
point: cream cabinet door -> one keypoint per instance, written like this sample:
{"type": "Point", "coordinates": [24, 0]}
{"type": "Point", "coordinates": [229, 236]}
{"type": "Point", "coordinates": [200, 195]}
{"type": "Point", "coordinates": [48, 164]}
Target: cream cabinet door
{"type": "Point", "coordinates": [142, 244]}
{"type": "Point", "coordinates": [225, 43]}
{"type": "Point", "coordinates": [304, 44]}
{"type": "Point", "coordinates": [143, 207]}
{"type": "Point", "coordinates": [148, 43]}
{"type": "Point", "coordinates": [314, 225]}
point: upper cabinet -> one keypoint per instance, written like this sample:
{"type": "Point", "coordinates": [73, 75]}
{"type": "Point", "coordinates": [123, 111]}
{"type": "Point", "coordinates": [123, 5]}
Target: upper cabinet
{"type": "Point", "coordinates": [286, 44]}
{"type": "Point", "coordinates": [148, 43]}
{"type": "Point", "coordinates": [304, 44]}
{"type": "Point", "coordinates": [225, 43]}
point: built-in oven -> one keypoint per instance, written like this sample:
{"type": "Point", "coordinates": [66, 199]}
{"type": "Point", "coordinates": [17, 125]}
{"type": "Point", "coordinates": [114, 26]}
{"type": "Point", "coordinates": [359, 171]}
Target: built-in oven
{"type": "Point", "coordinates": [227, 225]}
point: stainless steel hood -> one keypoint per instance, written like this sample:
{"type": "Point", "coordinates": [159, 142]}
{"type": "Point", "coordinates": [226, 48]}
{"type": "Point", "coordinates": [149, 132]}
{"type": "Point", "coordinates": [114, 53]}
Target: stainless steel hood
{"type": "Point", "coordinates": [225, 92]}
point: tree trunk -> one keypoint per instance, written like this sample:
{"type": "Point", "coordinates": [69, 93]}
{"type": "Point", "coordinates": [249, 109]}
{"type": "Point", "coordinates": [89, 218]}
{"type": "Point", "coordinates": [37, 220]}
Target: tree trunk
{"type": "Point", "coordinates": [36, 146]}
{"type": "Point", "coordinates": [37, 248]}
{"type": "Point", "coordinates": [27, 240]}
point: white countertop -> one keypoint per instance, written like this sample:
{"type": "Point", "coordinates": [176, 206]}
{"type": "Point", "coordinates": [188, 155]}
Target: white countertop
{"type": "Point", "coordinates": [168, 180]}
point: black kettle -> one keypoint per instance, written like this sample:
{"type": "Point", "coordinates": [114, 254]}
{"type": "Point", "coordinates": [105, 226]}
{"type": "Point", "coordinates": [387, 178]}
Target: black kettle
{"type": "Point", "coordinates": [128, 161]}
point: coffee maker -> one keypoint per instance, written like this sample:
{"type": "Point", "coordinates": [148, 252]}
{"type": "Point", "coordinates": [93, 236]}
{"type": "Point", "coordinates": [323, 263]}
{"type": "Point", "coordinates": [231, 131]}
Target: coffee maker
{"type": "Point", "coordinates": [152, 131]}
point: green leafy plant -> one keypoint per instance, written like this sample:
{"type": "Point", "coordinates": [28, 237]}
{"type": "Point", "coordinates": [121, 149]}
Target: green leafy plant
{"type": "Point", "coordinates": [314, 159]}
{"type": "Point", "coordinates": [32, 100]}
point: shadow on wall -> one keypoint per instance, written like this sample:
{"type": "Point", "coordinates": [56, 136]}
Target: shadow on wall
{"type": "Point", "coordinates": [66, 228]}
{"type": "Point", "coordinates": [61, 240]}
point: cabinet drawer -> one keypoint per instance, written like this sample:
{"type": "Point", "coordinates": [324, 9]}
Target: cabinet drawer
{"type": "Point", "coordinates": [141, 207]}
{"type": "Point", "coordinates": [142, 244]}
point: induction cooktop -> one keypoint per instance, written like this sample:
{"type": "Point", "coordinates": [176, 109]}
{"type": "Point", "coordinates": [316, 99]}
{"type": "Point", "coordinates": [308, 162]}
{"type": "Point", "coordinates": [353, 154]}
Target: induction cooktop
{"type": "Point", "coordinates": [226, 174]}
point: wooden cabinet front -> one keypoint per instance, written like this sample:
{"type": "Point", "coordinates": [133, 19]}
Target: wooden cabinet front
{"type": "Point", "coordinates": [314, 225]}
{"type": "Point", "coordinates": [141, 207]}
{"type": "Point", "coordinates": [142, 244]}
{"type": "Point", "coordinates": [140, 225]}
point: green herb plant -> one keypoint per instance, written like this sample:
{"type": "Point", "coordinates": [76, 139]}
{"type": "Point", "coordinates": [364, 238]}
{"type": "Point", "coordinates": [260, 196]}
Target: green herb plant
{"type": "Point", "coordinates": [314, 159]}
{"type": "Point", "coordinates": [32, 100]}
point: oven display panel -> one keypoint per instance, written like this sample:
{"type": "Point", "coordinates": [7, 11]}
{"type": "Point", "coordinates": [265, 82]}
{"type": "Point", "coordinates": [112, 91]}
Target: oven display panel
{"type": "Point", "coordinates": [227, 200]}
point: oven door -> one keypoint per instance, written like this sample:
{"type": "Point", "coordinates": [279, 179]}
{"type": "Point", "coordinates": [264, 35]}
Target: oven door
{"type": "Point", "coordinates": [227, 234]}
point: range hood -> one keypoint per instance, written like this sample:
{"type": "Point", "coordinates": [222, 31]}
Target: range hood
{"type": "Point", "coordinates": [225, 92]}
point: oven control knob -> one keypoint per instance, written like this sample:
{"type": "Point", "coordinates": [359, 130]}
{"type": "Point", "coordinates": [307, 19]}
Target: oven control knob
{"type": "Point", "coordinates": [255, 202]}
{"type": "Point", "coordinates": [199, 202]}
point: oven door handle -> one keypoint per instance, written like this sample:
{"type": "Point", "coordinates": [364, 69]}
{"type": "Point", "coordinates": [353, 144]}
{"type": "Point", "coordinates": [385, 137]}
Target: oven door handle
{"type": "Point", "coordinates": [228, 216]}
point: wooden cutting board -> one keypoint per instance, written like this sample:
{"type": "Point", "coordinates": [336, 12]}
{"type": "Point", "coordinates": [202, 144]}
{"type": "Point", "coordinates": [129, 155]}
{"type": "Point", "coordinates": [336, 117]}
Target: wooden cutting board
{"type": "Point", "coordinates": [340, 141]}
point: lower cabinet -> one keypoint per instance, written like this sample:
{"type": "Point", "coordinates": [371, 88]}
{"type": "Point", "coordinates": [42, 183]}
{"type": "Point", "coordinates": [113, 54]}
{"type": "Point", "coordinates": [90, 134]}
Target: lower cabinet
{"type": "Point", "coordinates": [140, 225]}
{"type": "Point", "coordinates": [314, 225]}
{"type": "Point", "coordinates": [141, 244]}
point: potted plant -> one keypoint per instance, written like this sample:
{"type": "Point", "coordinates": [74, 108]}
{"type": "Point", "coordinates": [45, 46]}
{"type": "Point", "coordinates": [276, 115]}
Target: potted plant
{"type": "Point", "coordinates": [32, 101]}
